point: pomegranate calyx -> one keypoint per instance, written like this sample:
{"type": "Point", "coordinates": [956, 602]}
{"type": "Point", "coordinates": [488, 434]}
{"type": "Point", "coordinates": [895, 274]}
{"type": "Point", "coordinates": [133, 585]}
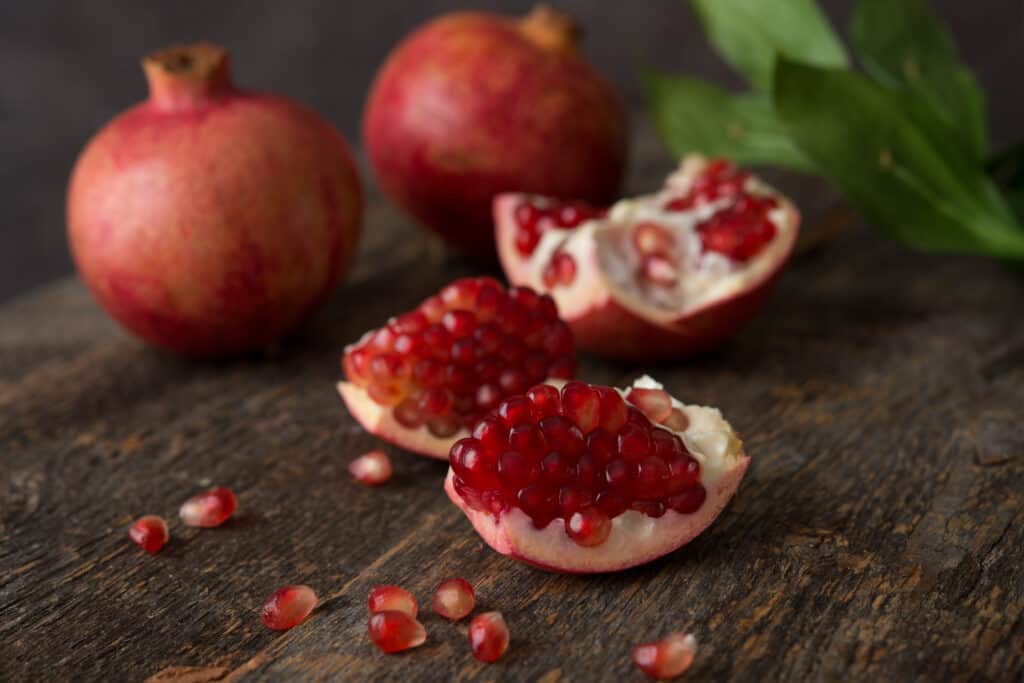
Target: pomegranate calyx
{"type": "Point", "coordinates": [550, 29]}
{"type": "Point", "coordinates": [186, 76]}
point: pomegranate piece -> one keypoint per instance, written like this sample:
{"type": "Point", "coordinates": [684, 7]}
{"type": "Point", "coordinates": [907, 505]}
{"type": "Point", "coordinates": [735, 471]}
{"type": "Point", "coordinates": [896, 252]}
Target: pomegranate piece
{"type": "Point", "coordinates": [389, 598]}
{"type": "Point", "coordinates": [288, 607]}
{"type": "Point", "coordinates": [429, 374]}
{"type": "Point", "coordinates": [208, 509]}
{"type": "Point", "coordinates": [664, 275]}
{"type": "Point", "coordinates": [372, 468]}
{"type": "Point", "coordinates": [666, 658]}
{"type": "Point", "coordinates": [488, 636]}
{"type": "Point", "coordinates": [149, 533]}
{"type": "Point", "coordinates": [586, 465]}
{"type": "Point", "coordinates": [454, 599]}
{"type": "Point", "coordinates": [395, 631]}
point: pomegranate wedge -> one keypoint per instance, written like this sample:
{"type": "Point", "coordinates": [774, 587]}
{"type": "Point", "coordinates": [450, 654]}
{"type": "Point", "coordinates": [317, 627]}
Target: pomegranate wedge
{"type": "Point", "coordinates": [590, 479]}
{"type": "Point", "coordinates": [427, 375]}
{"type": "Point", "coordinates": [664, 275]}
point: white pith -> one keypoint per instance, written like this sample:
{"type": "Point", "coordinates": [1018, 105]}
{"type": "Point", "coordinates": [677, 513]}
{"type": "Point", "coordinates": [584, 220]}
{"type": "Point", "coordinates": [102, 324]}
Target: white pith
{"type": "Point", "coordinates": [635, 538]}
{"type": "Point", "coordinates": [607, 263]}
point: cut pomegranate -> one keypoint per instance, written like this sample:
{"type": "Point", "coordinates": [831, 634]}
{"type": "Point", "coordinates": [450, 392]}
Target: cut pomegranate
{"type": "Point", "coordinates": [488, 636]}
{"type": "Point", "coordinates": [581, 481]}
{"type": "Point", "coordinates": [395, 631]}
{"type": "Point", "coordinates": [663, 275]}
{"type": "Point", "coordinates": [372, 468]}
{"type": "Point", "coordinates": [427, 375]}
{"type": "Point", "coordinates": [392, 599]}
{"type": "Point", "coordinates": [288, 607]}
{"type": "Point", "coordinates": [666, 658]}
{"type": "Point", "coordinates": [454, 599]}
{"type": "Point", "coordinates": [149, 533]}
{"type": "Point", "coordinates": [209, 509]}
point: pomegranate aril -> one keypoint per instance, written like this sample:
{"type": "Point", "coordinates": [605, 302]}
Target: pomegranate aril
{"type": "Point", "coordinates": [149, 533]}
{"type": "Point", "coordinates": [539, 503]}
{"type": "Point", "coordinates": [688, 501]}
{"type": "Point", "coordinates": [546, 400]}
{"type": "Point", "coordinates": [408, 414]}
{"type": "Point", "coordinates": [651, 239]}
{"type": "Point", "coordinates": [411, 323]}
{"type": "Point", "coordinates": [684, 472]}
{"type": "Point", "coordinates": [557, 469]}
{"type": "Point", "coordinates": [464, 352]}
{"type": "Point", "coordinates": [563, 368]}
{"type": "Point", "coordinates": [443, 427]}
{"type": "Point", "coordinates": [388, 598]}
{"type": "Point", "coordinates": [454, 599]}
{"type": "Point", "coordinates": [634, 442]}
{"type": "Point", "coordinates": [677, 421]}
{"type": "Point", "coordinates": [589, 472]}
{"type": "Point", "coordinates": [516, 410]}
{"type": "Point", "coordinates": [459, 323]}
{"type": "Point", "coordinates": [619, 475]}
{"type": "Point", "coordinates": [561, 270]}
{"type": "Point", "coordinates": [491, 432]}
{"type": "Point", "coordinates": [470, 462]}
{"type": "Point", "coordinates": [395, 631]}
{"type": "Point", "coordinates": [488, 396]}
{"type": "Point", "coordinates": [655, 403]}
{"type": "Point", "coordinates": [613, 409]}
{"type": "Point", "coordinates": [601, 446]}
{"type": "Point", "coordinates": [372, 468]}
{"type": "Point", "coordinates": [659, 271]}
{"type": "Point", "coordinates": [516, 471]}
{"type": "Point", "coordinates": [581, 404]}
{"type": "Point", "coordinates": [572, 499]}
{"type": "Point", "coordinates": [651, 508]}
{"type": "Point", "coordinates": [589, 527]}
{"type": "Point", "coordinates": [288, 607]}
{"type": "Point", "coordinates": [562, 435]}
{"type": "Point", "coordinates": [666, 658]}
{"type": "Point", "coordinates": [528, 440]}
{"type": "Point", "coordinates": [208, 509]}
{"type": "Point", "coordinates": [513, 381]}
{"type": "Point", "coordinates": [652, 479]}
{"type": "Point", "coordinates": [527, 215]}
{"type": "Point", "coordinates": [488, 636]}
{"type": "Point", "coordinates": [435, 402]}
{"type": "Point", "coordinates": [558, 339]}
{"type": "Point", "coordinates": [611, 503]}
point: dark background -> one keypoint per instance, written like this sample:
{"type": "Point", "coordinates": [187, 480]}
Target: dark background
{"type": "Point", "coordinates": [67, 68]}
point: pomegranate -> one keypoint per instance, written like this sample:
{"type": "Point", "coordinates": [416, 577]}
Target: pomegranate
{"type": "Point", "coordinates": [209, 220]}
{"type": "Point", "coordinates": [581, 480]}
{"type": "Point", "coordinates": [427, 375]}
{"type": "Point", "coordinates": [474, 104]}
{"type": "Point", "coordinates": [664, 275]}
{"type": "Point", "coordinates": [666, 658]}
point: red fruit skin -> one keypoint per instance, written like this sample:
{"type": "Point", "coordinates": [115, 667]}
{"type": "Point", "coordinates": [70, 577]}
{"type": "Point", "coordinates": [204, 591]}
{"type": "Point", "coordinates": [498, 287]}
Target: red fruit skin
{"type": "Point", "coordinates": [471, 105]}
{"type": "Point", "coordinates": [209, 220]}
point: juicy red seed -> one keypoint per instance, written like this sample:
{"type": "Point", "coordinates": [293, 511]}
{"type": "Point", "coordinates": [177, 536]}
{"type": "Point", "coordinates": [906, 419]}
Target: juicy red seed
{"type": "Point", "coordinates": [684, 472]}
{"type": "Point", "coordinates": [613, 409]}
{"type": "Point", "coordinates": [688, 501]}
{"type": "Point", "coordinates": [527, 215]}
{"type": "Point", "coordinates": [546, 307]}
{"type": "Point", "coordinates": [395, 631]}
{"type": "Point", "coordinates": [288, 607]}
{"type": "Point", "coordinates": [461, 293]}
{"type": "Point", "coordinates": [571, 215]}
{"type": "Point", "coordinates": [562, 435]}
{"type": "Point", "coordinates": [488, 396]}
{"type": "Point", "coordinates": [539, 503]}
{"type": "Point", "coordinates": [491, 431]}
{"type": "Point", "coordinates": [611, 503]}
{"type": "Point", "coordinates": [208, 509]}
{"type": "Point", "coordinates": [388, 598]}
{"type": "Point", "coordinates": [435, 402]}
{"type": "Point", "coordinates": [561, 270]}
{"type": "Point", "coordinates": [464, 352]}
{"type": "Point", "coordinates": [516, 410]}
{"type": "Point", "coordinates": [556, 468]}
{"type": "Point", "coordinates": [589, 527]}
{"type": "Point", "coordinates": [619, 475]}
{"type": "Point", "coordinates": [558, 339]}
{"type": "Point", "coordinates": [439, 339]}
{"type": "Point", "coordinates": [469, 461]}
{"type": "Point", "coordinates": [443, 427]}
{"type": "Point", "coordinates": [513, 381]}
{"type": "Point", "coordinates": [388, 366]}
{"type": "Point", "coordinates": [601, 446]}
{"type": "Point", "coordinates": [634, 442]}
{"type": "Point", "coordinates": [460, 380]}
{"type": "Point", "coordinates": [651, 508]}
{"type": "Point", "coordinates": [149, 533]}
{"type": "Point", "coordinates": [652, 479]}
{"type": "Point", "coordinates": [659, 271]}
{"type": "Point", "coordinates": [582, 405]}
{"type": "Point", "coordinates": [413, 323]}
{"type": "Point", "coordinates": [488, 636]}
{"type": "Point", "coordinates": [528, 440]}
{"type": "Point", "coordinates": [589, 472]}
{"type": "Point", "coordinates": [572, 499]}
{"type": "Point", "coordinates": [516, 470]}
{"type": "Point", "coordinates": [546, 400]}
{"type": "Point", "coordinates": [372, 468]}
{"type": "Point", "coordinates": [666, 658]}
{"type": "Point", "coordinates": [489, 337]}
{"type": "Point", "coordinates": [454, 599]}
{"type": "Point", "coordinates": [563, 368]}
{"type": "Point", "coordinates": [740, 232]}
{"type": "Point", "coordinates": [655, 403]}
{"type": "Point", "coordinates": [459, 323]}
{"type": "Point", "coordinates": [653, 239]}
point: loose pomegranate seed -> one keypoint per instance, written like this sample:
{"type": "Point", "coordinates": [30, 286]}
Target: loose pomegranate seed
{"type": "Point", "coordinates": [488, 636]}
{"type": "Point", "coordinates": [208, 509]}
{"type": "Point", "coordinates": [460, 353]}
{"type": "Point", "coordinates": [389, 598]}
{"type": "Point", "coordinates": [651, 239]}
{"type": "Point", "coordinates": [666, 658]}
{"type": "Point", "coordinates": [454, 599]}
{"type": "Point", "coordinates": [149, 533]}
{"type": "Point", "coordinates": [372, 469]}
{"type": "Point", "coordinates": [582, 455]}
{"type": "Point", "coordinates": [739, 232]}
{"type": "Point", "coordinates": [287, 607]}
{"type": "Point", "coordinates": [395, 631]}
{"type": "Point", "coordinates": [655, 403]}
{"type": "Point", "coordinates": [561, 270]}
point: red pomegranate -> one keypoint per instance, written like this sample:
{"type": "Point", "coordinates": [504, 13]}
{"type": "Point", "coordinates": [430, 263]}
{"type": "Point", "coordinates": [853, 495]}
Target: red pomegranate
{"type": "Point", "coordinates": [207, 219]}
{"type": "Point", "coordinates": [474, 104]}
{"type": "Point", "coordinates": [665, 275]}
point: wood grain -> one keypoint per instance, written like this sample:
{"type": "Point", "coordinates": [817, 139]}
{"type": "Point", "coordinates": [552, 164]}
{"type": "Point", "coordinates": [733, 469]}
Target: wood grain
{"type": "Point", "coordinates": [878, 535]}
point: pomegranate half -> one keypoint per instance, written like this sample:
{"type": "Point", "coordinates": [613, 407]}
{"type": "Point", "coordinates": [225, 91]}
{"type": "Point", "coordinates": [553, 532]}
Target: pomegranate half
{"type": "Point", "coordinates": [582, 481]}
{"type": "Point", "coordinates": [659, 276]}
{"type": "Point", "coordinates": [474, 104]}
{"type": "Point", "coordinates": [425, 377]}
{"type": "Point", "coordinates": [209, 220]}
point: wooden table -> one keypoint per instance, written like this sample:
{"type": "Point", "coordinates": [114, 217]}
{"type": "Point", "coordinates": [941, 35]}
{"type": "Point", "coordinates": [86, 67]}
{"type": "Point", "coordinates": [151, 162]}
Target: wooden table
{"type": "Point", "coordinates": [879, 534]}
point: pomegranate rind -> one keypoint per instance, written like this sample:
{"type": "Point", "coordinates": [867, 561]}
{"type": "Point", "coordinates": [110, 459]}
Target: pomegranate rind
{"type": "Point", "coordinates": [608, 321]}
{"type": "Point", "coordinates": [635, 538]}
{"type": "Point", "coordinates": [379, 421]}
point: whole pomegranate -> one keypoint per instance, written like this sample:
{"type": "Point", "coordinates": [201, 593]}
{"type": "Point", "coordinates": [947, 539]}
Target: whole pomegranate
{"type": "Point", "coordinates": [475, 104]}
{"type": "Point", "coordinates": [209, 220]}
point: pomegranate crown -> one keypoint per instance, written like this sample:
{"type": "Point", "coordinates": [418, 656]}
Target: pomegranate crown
{"type": "Point", "coordinates": [185, 76]}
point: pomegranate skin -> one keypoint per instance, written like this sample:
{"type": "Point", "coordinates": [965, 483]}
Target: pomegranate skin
{"type": "Point", "coordinates": [475, 104]}
{"type": "Point", "coordinates": [209, 220]}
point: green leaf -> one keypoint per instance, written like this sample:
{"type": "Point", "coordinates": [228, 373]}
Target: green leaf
{"type": "Point", "coordinates": [750, 34]}
{"type": "Point", "coordinates": [692, 115]}
{"type": "Point", "coordinates": [904, 44]}
{"type": "Point", "coordinates": [890, 155]}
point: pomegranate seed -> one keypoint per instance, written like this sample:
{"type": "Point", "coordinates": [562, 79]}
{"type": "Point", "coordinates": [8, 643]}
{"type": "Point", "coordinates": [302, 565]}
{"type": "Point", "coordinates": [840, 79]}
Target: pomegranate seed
{"type": "Point", "coordinates": [655, 403]}
{"type": "Point", "coordinates": [389, 598]}
{"type": "Point", "coordinates": [149, 533]}
{"type": "Point", "coordinates": [208, 509]}
{"type": "Point", "coordinates": [589, 527]}
{"type": "Point", "coordinates": [613, 409]}
{"type": "Point", "coordinates": [488, 636]}
{"type": "Point", "coordinates": [651, 239]}
{"type": "Point", "coordinates": [677, 421]}
{"type": "Point", "coordinates": [372, 468]}
{"type": "Point", "coordinates": [546, 400]}
{"type": "Point", "coordinates": [395, 631]}
{"type": "Point", "coordinates": [582, 405]}
{"type": "Point", "coordinates": [740, 232]}
{"type": "Point", "coordinates": [666, 658]}
{"type": "Point", "coordinates": [454, 599]}
{"type": "Point", "coordinates": [688, 501]}
{"type": "Point", "coordinates": [561, 270]}
{"type": "Point", "coordinates": [287, 607]}
{"type": "Point", "coordinates": [659, 271]}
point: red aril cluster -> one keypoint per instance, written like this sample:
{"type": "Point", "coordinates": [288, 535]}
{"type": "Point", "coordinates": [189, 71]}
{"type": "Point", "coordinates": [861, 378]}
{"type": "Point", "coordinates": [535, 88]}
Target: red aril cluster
{"type": "Point", "coordinates": [582, 455]}
{"type": "Point", "coordinates": [532, 220]}
{"type": "Point", "coordinates": [460, 353]}
{"type": "Point", "coordinates": [149, 533]}
{"type": "Point", "coordinates": [288, 607]}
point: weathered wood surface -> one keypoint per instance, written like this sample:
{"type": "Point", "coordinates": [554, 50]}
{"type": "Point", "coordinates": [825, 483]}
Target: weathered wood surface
{"type": "Point", "coordinates": [878, 535]}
